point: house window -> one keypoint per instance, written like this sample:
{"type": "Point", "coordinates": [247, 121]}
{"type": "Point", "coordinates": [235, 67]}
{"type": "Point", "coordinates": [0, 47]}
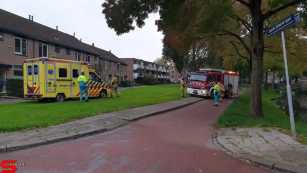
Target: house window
{"type": "Point", "coordinates": [75, 73]}
{"type": "Point", "coordinates": [43, 50]}
{"type": "Point", "coordinates": [62, 73]}
{"type": "Point", "coordinates": [78, 56]}
{"type": "Point", "coordinates": [67, 51]}
{"type": "Point", "coordinates": [18, 73]}
{"type": "Point", "coordinates": [87, 58]}
{"type": "Point", "coordinates": [20, 46]}
{"type": "Point", "coordinates": [57, 49]}
{"type": "Point", "coordinates": [17, 70]}
{"type": "Point", "coordinates": [118, 66]}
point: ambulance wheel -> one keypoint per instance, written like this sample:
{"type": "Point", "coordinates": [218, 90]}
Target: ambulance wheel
{"type": "Point", "coordinates": [103, 93]}
{"type": "Point", "coordinates": [60, 98]}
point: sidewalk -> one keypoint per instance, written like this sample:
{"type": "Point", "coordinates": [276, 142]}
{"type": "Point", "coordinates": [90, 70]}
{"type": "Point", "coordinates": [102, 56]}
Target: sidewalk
{"type": "Point", "coordinates": [92, 125]}
{"type": "Point", "coordinates": [266, 147]}
{"type": "Point", "coordinates": [11, 100]}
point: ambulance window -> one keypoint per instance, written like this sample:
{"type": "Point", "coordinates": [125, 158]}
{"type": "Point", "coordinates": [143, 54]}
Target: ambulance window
{"type": "Point", "coordinates": [62, 72]}
{"type": "Point", "coordinates": [29, 70]}
{"type": "Point", "coordinates": [35, 69]}
{"type": "Point", "coordinates": [75, 73]}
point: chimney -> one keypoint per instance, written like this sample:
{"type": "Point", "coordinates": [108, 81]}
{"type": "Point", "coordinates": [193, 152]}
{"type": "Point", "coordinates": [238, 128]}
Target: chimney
{"type": "Point", "coordinates": [57, 28]}
{"type": "Point", "coordinates": [74, 34]}
{"type": "Point", "coordinates": [31, 17]}
{"type": "Point", "coordinates": [93, 44]}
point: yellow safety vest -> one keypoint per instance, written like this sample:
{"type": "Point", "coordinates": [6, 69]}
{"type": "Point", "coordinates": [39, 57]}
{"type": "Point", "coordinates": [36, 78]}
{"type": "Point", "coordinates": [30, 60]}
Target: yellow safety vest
{"type": "Point", "coordinates": [82, 78]}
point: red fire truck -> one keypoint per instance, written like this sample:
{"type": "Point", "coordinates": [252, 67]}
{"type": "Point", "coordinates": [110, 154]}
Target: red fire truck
{"type": "Point", "coordinates": [200, 83]}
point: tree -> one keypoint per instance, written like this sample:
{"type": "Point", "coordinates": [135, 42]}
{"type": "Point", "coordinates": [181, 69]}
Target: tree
{"type": "Point", "coordinates": [183, 21]}
{"type": "Point", "coordinates": [162, 61]}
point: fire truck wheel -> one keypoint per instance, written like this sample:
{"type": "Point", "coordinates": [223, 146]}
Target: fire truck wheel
{"type": "Point", "coordinates": [60, 98]}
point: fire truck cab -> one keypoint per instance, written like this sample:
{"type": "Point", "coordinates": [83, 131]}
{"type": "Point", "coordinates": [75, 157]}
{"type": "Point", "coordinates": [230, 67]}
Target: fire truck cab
{"type": "Point", "coordinates": [201, 83]}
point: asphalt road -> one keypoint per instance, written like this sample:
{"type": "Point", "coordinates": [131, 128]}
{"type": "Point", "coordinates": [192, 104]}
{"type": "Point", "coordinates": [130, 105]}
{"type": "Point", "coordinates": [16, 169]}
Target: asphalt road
{"type": "Point", "coordinates": [173, 142]}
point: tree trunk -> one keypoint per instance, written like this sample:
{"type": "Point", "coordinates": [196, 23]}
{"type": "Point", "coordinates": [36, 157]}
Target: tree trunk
{"type": "Point", "coordinates": [257, 44]}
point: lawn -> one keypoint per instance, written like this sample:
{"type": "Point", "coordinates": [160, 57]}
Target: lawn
{"type": "Point", "coordinates": [237, 115]}
{"type": "Point", "coordinates": [30, 115]}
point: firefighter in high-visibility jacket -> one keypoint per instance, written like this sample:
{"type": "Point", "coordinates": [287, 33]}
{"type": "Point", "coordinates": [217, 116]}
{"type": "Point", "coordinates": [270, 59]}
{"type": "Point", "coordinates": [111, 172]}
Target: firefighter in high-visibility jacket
{"type": "Point", "coordinates": [82, 80]}
{"type": "Point", "coordinates": [114, 85]}
{"type": "Point", "coordinates": [183, 87]}
{"type": "Point", "coordinates": [216, 94]}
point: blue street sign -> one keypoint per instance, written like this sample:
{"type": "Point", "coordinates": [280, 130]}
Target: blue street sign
{"type": "Point", "coordinates": [284, 24]}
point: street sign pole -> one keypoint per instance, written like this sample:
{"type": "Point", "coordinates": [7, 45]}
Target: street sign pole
{"type": "Point", "coordinates": [289, 91]}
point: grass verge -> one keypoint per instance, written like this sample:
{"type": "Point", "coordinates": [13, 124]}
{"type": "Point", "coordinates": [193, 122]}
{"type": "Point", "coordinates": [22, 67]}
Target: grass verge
{"type": "Point", "coordinates": [30, 115]}
{"type": "Point", "coordinates": [237, 115]}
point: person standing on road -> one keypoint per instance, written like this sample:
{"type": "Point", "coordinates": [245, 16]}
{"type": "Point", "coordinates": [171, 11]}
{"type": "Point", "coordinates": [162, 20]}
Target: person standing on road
{"type": "Point", "coordinates": [216, 94]}
{"type": "Point", "coordinates": [82, 80]}
{"type": "Point", "coordinates": [183, 87]}
{"type": "Point", "coordinates": [114, 84]}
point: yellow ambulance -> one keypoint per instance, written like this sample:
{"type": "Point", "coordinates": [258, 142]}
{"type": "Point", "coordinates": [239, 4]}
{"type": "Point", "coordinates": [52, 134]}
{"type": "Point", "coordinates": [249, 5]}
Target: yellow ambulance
{"type": "Point", "coordinates": [50, 78]}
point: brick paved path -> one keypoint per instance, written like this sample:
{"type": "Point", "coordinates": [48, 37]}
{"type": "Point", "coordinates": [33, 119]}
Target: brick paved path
{"type": "Point", "coordinates": [172, 142]}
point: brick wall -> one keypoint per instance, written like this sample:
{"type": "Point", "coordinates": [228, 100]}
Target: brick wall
{"type": "Point", "coordinates": [129, 68]}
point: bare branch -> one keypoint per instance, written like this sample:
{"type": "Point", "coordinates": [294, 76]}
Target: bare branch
{"type": "Point", "coordinates": [272, 12]}
{"type": "Point", "coordinates": [242, 21]}
{"type": "Point", "coordinates": [229, 33]}
{"type": "Point", "coordinates": [237, 50]}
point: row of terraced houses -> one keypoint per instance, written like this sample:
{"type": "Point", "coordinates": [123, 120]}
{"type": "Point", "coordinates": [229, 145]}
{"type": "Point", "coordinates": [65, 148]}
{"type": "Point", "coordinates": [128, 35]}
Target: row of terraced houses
{"type": "Point", "coordinates": [22, 38]}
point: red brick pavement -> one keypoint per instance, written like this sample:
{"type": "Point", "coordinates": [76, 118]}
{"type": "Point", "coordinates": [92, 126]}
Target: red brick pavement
{"type": "Point", "coordinates": [173, 142]}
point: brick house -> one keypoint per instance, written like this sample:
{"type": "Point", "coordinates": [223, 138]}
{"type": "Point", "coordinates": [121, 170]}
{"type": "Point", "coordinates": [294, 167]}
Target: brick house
{"type": "Point", "coordinates": [22, 38]}
{"type": "Point", "coordinates": [137, 69]}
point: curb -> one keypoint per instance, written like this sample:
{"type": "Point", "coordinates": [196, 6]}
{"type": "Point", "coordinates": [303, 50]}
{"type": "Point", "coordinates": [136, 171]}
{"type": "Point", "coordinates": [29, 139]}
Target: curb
{"type": "Point", "coordinates": [6, 148]}
{"type": "Point", "coordinates": [166, 110]}
{"type": "Point", "coordinates": [253, 161]}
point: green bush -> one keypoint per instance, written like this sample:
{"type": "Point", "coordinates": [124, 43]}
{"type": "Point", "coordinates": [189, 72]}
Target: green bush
{"type": "Point", "coordinates": [147, 80]}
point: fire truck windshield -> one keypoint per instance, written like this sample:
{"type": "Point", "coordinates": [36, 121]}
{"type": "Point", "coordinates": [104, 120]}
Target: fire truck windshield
{"type": "Point", "coordinates": [198, 77]}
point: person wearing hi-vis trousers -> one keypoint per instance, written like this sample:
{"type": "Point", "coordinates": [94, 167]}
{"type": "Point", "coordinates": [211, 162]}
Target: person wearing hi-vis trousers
{"type": "Point", "coordinates": [183, 87]}
{"type": "Point", "coordinates": [114, 85]}
{"type": "Point", "coordinates": [82, 80]}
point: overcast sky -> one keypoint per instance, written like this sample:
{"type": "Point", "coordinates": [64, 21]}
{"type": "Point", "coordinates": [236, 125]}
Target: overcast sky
{"type": "Point", "coordinates": [84, 17]}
